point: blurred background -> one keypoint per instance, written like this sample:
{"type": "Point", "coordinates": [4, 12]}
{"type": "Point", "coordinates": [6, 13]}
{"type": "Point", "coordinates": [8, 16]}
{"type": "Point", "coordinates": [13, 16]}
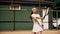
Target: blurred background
{"type": "Point", "coordinates": [15, 14]}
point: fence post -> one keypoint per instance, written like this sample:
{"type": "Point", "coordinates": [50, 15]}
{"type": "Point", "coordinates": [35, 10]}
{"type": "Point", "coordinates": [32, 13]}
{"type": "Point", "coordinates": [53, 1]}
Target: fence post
{"type": "Point", "coordinates": [57, 19]}
{"type": "Point", "coordinates": [50, 20]}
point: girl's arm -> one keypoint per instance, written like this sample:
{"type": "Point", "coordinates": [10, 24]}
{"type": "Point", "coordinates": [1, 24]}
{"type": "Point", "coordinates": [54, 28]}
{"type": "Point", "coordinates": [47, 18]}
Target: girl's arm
{"type": "Point", "coordinates": [41, 17]}
{"type": "Point", "coordinates": [33, 19]}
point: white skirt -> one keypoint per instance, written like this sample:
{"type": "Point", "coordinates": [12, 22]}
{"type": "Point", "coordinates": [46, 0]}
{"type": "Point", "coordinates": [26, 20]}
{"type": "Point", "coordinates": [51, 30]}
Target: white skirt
{"type": "Point", "coordinates": [37, 28]}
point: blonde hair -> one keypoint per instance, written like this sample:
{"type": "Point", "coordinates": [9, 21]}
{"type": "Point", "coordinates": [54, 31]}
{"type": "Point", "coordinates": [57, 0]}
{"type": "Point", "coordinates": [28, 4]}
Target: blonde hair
{"type": "Point", "coordinates": [33, 8]}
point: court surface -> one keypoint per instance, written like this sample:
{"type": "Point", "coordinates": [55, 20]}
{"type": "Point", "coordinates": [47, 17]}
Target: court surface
{"type": "Point", "coordinates": [29, 32]}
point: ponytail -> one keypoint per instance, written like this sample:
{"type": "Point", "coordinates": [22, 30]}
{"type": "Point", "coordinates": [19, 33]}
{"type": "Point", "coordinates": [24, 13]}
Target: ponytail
{"type": "Point", "coordinates": [30, 15]}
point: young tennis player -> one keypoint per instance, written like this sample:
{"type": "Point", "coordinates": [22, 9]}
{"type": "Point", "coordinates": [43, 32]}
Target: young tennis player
{"type": "Point", "coordinates": [37, 20]}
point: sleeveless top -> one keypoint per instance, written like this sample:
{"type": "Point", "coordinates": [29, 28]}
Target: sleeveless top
{"type": "Point", "coordinates": [34, 16]}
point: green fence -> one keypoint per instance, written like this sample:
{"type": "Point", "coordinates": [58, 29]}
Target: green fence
{"type": "Point", "coordinates": [20, 19]}
{"type": "Point", "coordinates": [16, 19]}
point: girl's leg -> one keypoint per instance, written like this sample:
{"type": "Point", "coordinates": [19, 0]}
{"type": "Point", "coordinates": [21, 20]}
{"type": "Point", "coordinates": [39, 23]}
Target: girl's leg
{"type": "Point", "coordinates": [40, 32]}
{"type": "Point", "coordinates": [37, 33]}
{"type": "Point", "coordinates": [34, 32]}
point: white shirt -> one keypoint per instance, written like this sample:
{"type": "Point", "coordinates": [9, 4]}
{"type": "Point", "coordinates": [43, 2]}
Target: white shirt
{"type": "Point", "coordinates": [36, 15]}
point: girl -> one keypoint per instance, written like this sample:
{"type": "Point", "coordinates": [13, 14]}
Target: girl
{"type": "Point", "coordinates": [37, 20]}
